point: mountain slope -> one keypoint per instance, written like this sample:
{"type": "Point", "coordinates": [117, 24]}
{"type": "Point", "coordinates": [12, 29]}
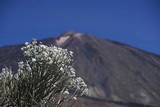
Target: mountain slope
{"type": "Point", "coordinates": [117, 75]}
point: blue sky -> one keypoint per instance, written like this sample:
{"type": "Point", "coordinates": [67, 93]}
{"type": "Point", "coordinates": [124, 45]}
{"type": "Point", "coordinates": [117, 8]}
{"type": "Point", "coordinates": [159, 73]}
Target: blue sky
{"type": "Point", "coordinates": [133, 22]}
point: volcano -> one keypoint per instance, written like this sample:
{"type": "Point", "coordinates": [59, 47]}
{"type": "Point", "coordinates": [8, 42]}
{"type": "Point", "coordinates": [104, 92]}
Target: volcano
{"type": "Point", "coordinates": [117, 75]}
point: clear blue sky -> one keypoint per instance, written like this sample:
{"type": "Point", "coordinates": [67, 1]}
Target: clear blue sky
{"type": "Point", "coordinates": [133, 22]}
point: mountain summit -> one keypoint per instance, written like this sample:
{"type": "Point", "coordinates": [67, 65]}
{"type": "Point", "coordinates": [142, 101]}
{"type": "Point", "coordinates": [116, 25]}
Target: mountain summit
{"type": "Point", "coordinates": [117, 75]}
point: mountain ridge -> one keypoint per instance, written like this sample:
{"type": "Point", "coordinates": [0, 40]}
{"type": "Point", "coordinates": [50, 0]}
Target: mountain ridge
{"type": "Point", "coordinates": [70, 32]}
{"type": "Point", "coordinates": [117, 74]}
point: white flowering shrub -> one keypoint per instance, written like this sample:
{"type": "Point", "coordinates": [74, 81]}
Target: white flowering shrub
{"type": "Point", "coordinates": [46, 78]}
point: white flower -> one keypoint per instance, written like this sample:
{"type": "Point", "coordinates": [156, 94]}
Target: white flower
{"type": "Point", "coordinates": [33, 60]}
{"type": "Point", "coordinates": [71, 53]}
{"type": "Point", "coordinates": [66, 92]}
{"type": "Point", "coordinates": [50, 62]}
{"type": "Point", "coordinates": [61, 69]}
{"type": "Point", "coordinates": [74, 98]}
{"type": "Point", "coordinates": [26, 43]}
{"type": "Point", "coordinates": [21, 64]}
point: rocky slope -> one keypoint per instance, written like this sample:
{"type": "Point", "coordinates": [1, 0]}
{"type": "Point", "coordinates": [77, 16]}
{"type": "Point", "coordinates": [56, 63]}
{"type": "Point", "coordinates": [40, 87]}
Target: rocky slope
{"type": "Point", "coordinates": [118, 75]}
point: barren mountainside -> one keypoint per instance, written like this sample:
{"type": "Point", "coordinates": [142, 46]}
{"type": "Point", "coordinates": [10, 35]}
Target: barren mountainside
{"type": "Point", "coordinates": [117, 75]}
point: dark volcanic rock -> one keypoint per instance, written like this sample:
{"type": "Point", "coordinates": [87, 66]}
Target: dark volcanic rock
{"type": "Point", "coordinates": [118, 75]}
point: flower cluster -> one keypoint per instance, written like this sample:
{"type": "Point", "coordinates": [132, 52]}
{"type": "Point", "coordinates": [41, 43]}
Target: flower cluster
{"type": "Point", "coordinates": [46, 74]}
{"type": "Point", "coordinates": [42, 53]}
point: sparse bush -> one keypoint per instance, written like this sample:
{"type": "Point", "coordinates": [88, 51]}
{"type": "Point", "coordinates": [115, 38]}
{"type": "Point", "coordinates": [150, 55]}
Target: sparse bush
{"type": "Point", "coordinates": [46, 77]}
